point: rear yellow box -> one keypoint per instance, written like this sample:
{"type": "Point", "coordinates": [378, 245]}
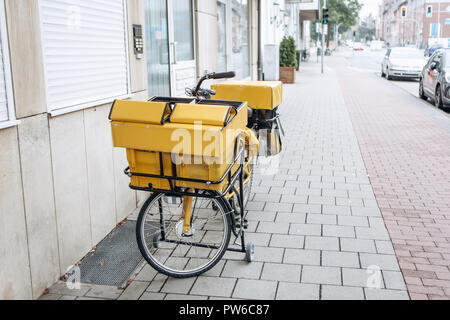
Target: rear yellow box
{"type": "Point", "coordinates": [260, 95]}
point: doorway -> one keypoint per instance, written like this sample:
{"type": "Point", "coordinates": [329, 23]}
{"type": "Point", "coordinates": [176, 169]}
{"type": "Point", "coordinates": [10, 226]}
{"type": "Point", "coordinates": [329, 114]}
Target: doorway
{"type": "Point", "coordinates": [170, 46]}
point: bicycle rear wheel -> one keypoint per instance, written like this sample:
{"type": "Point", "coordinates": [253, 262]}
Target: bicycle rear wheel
{"type": "Point", "coordinates": [164, 246]}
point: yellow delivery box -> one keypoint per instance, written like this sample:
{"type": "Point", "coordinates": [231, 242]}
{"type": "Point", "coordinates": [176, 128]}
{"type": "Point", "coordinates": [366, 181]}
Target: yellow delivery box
{"type": "Point", "coordinates": [179, 145]}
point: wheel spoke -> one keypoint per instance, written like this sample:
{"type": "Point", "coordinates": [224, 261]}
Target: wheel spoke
{"type": "Point", "coordinates": [178, 255]}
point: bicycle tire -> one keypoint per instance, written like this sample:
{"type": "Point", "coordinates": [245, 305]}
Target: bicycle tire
{"type": "Point", "coordinates": [165, 270]}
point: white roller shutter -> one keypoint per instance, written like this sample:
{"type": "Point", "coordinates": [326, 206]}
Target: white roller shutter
{"type": "Point", "coordinates": [4, 68]}
{"type": "Point", "coordinates": [3, 96]}
{"type": "Point", "coordinates": [85, 51]}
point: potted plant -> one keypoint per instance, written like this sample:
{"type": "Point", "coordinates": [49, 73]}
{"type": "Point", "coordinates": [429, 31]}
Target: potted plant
{"type": "Point", "coordinates": [288, 60]}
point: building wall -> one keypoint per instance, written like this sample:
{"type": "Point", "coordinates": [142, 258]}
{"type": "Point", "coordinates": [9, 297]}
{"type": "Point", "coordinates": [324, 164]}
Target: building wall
{"type": "Point", "coordinates": [439, 15]}
{"type": "Point", "coordinates": [62, 187]}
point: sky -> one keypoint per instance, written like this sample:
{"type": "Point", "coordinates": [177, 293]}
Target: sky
{"type": "Point", "coordinates": [370, 6]}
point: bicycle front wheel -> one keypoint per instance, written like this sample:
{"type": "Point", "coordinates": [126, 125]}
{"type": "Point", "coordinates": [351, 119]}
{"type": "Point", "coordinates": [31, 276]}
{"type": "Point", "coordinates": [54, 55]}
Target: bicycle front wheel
{"type": "Point", "coordinates": [164, 243]}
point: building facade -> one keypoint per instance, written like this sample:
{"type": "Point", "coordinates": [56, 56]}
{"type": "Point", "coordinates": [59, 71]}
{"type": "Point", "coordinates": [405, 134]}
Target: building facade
{"type": "Point", "coordinates": [62, 64]}
{"type": "Point", "coordinates": [426, 22]}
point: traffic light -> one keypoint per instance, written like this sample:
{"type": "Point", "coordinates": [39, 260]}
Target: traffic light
{"type": "Point", "coordinates": [403, 12]}
{"type": "Point", "coordinates": [325, 16]}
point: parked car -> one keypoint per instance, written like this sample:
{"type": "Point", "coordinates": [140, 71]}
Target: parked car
{"type": "Point", "coordinates": [376, 45]}
{"type": "Point", "coordinates": [431, 49]}
{"type": "Point", "coordinates": [401, 62]}
{"type": "Point", "coordinates": [357, 46]}
{"type": "Point", "coordinates": [435, 79]}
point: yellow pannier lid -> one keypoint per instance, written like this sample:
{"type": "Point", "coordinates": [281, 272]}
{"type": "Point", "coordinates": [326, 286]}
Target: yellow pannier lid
{"type": "Point", "coordinates": [140, 112]}
{"type": "Point", "coordinates": [210, 115]}
{"type": "Point", "coordinates": [264, 95]}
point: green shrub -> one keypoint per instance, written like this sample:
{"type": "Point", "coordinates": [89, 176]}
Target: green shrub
{"type": "Point", "coordinates": [288, 57]}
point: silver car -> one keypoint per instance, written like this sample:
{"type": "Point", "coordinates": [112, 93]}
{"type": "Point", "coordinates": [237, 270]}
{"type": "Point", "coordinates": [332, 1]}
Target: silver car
{"type": "Point", "coordinates": [401, 62]}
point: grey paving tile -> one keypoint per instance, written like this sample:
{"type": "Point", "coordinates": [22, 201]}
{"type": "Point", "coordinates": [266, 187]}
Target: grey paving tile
{"type": "Point", "coordinates": [361, 278]}
{"type": "Point", "coordinates": [51, 297]}
{"type": "Point", "coordinates": [394, 280]}
{"type": "Point", "coordinates": [353, 221]}
{"type": "Point", "coordinates": [104, 292]}
{"type": "Point", "coordinates": [258, 239]}
{"type": "Point", "coordinates": [152, 296]}
{"type": "Point", "coordinates": [61, 288]}
{"type": "Point", "coordinates": [384, 247]}
{"type": "Point", "coordinates": [178, 286]}
{"type": "Point", "coordinates": [287, 241]}
{"type": "Point", "coordinates": [350, 202]}
{"type": "Point", "coordinates": [339, 231]}
{"type": "Point", "coordinates": [283, 190]}
{"type": "Point", "coordinates": [342, 293]}
{"type": "Point", "coordinates": [278, 207]}
{"type": "Point", "coordinates": [288, 198]}
{"type": "Point", "coordinates": [147, 273]}
{"type": "Point", "coordinates": [321, 219]}
{"type": "Point", "coordinates": [281, 272]}
{"type": "Point", "coordinates": [366, 212]}
{"type": "Point", "coordinates": [261, 216]}
{"type": "Point", "coordinates": [184, 297]}
{"type": "Point", "coordinates": [242, 269]}
{"type": "Point", "coordinates": [213, 286]}
{"type": "Point", "coordinates": [384, 262]}
{"type": "Point", "coordinates": [358, 245]}
{"type": "Point", "coordinates": [68, 298]}
{"type": "Point", "coordinates": [255, 289]}
{"type": "Point", "coordinates": [335, 210]}
{"type": "Point", "coordinates": [372, 233]}
{"type": "Point", "coordinates": [340, 259]}
{"type": "Point", "coordinates": [321, 243]}
{"type": "Point", "coordinates": [134, 290]}
{"type": "Point", "coordinates": [298, 291]}
{"type": "Point", "coordinates": [272, 227]}
{"type": "Point", "coordinates": [321, 200]}
{"type": "Point", "coordinates": [290, 217]}
{"type": "Point", "coordinates": [321, 275]}
{"type": "Point", "coordinates": [305, 229]}
{"type": "Point", "coordinates": [302, 257]}
{"type": "Point", "coordinates": [264, 254]}
{"type": "Point", "coordinates": [255, 206]}
{"type": "Point", "coordinates": [267, 197]}
{"type": "Point", "coordinates": [307, 208]}
{"type": "Point", "coordinates": [157, 283]}
{"type": "Point", "coordinates": [383, 294]}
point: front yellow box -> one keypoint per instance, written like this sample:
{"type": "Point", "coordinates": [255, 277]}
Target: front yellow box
{"type": "Point", "coordinates": [260, 95]}
{"type": "Point", "coordinates": [153, 132]}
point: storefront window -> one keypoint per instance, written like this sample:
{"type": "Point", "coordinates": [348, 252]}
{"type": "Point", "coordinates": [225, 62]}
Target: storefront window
{"type": "Point", "coordinates": [221, 35]}
{"type": "Point", "coordinates": [241, 38]}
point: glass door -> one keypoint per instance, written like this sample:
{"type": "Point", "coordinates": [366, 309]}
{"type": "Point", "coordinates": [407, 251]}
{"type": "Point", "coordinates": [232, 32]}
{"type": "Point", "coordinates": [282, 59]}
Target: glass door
{"type": "Point", "coordinates": [222, 36]}
{"type": "Point", "coordinates": [157, 46]}
{"type": "Point", "coordinates": [181, 39]}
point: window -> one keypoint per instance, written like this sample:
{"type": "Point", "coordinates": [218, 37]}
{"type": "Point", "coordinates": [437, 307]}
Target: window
{"type": "Point", "coordinates": [434, 30]}
{"type": "Point", "coordinates": [85, 52]}
{"type": "Point", "coordinates": [7, 117]}
{"type": "Point", "coordinates": [222, 36]}
{"type": "Point", "coordinates": [241, 38]}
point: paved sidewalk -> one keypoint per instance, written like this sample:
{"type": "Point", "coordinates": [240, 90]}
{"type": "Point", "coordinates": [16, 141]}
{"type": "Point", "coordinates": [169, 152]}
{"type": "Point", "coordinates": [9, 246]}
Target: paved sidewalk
{"type": "Point", "coordinates": [318, 231]}
{"type": "Point", "coordinates": [407, 153]}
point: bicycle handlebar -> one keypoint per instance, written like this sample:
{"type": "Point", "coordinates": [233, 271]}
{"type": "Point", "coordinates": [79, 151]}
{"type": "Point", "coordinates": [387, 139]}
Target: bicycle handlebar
{"type": "Point", "coordinates": [215, 76]}
{"type": "Point", "coordinates": [223, 75]}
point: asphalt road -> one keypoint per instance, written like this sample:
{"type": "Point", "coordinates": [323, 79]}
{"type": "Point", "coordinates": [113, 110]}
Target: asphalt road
{"type": "Point", "coordinates": [370, 61]}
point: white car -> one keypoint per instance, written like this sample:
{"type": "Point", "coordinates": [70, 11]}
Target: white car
{"type": "Point", "coordinates": [376, 45]}
{"type": "Point", "coordinates": [401, 62]}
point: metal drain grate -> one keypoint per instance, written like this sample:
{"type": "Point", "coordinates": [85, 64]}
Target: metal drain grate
{"type": "Point", "coordinates": [117, 256]}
